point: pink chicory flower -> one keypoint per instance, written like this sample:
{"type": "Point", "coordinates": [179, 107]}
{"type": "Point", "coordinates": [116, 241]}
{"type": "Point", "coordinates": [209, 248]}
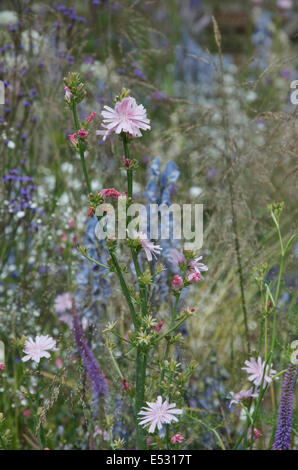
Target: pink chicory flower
{"type": "Point", "coordinates": [176, 257]}
{"type": "Point", "coordinates": [197, 267]}
{"type": "Point", "coordinates": [255, 370]}
{"type": "Point", "coordinates": [150, 249]}
{"type": "Point", "coordinates": [242, 395]}
{"type": "Point", "coordinates": [126, 117]}
{"type": "Point", "coordinates": [63, 302]}
{"type": "Point", "coordinates": [39, 348]}
{"type": "Point", "coordinates": [157, 413]}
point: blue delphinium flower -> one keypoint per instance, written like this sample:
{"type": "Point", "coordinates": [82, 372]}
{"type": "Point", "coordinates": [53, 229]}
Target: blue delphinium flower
{"type": "Point", "coordinates": [160, 188]}
{"type": "Point", "coordinates": [93, 285]}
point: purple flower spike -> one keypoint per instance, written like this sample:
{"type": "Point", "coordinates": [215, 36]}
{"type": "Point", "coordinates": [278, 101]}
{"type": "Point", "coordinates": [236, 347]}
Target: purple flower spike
{"type": "Point", "coordinates": [94, 372]}
{"type": "Point", "coordinates": [282, 440]}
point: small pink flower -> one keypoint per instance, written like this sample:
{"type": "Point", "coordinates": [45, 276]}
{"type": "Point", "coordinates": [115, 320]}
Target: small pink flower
{"type": "Point", "coordinates": [177, 438]}
{"type": "Point", "coordinates": [91, 212]}
{"type": "Point", "coordinates": [150, 249]}
{"type": "Point", "coordinates": [59, 363]}
{"type": "Point", "coordinates": [194, 277]}
{"type": "Point", "coordinates": [110, 192]}
{"type": "Point", "coordinates": [158, 327]}
{"type": "Point", "coordinates": [90, 117]}
{"type": "Point", "coordinates": [71, 224]}
{"type": "Point", "coordinates": [2, 366]}
{"type": "Point", "coordinates": [126, 161]}
{"type": "Point", "coordinates": [68, 93]}
{"type": "Point", "coordinates": [126, 386]}
{"type": "Point", "coordinates": [63, 237]}
{"type": "Point", "coordinates": [257, 433]}
{"type": "Point", "coordinates": [177, 282]}
{"type": "Point", "coordinates": [126, 117]}
{"type": "Point", "coordinates": [72, 138]}
{"type": "Point", "coordinates": [26, 413]}
{"type": "Point", "coordinates": [82, 133]}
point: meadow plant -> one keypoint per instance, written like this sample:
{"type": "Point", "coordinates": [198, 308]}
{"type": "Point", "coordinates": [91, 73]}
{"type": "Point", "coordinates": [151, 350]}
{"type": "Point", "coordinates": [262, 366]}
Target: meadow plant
{"type": "Point", "coordinates": [132, 341]}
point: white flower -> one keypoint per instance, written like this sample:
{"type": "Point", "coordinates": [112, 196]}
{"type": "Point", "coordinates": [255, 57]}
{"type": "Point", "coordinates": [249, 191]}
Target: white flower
{"type": "Point", "coordinates": [37, 349]}
{"type": "Point", "coordinates": [8, 17]}
{"type": "Point", "coordinates": [256, 370]}
{"type": "Point", "coordinates": [158, 413]}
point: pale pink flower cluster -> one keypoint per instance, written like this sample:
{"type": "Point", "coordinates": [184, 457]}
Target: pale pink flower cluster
{"type": "Point", "coordinates": [126, 117]}
{"type": "Point", "coordinates": [177, 282]}
{"type": "Point", "coordinates": [195, 267]}
{"type": "Point", "coordinates": [158, 413]}
{"type": "Point", "coordinates": [39, 348]}
{"type": "Point", "coordinates": [110, 192]}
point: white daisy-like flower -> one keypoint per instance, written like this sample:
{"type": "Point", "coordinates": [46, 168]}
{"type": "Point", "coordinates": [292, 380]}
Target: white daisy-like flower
{"type": "Point", "coordinates": [39, 348]}
{"type": "Point", "coordinates": [255, 370]}
{"type": "Point", "coordinates": [158, 413]}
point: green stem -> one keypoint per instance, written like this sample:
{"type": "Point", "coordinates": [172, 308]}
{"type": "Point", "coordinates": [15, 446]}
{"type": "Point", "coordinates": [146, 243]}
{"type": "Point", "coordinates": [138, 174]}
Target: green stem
{"type": "Point", "coordinates": [81, 151]}
{"type": "Point", "coordinates": [172, 327]}
{"type": "Point", "coordinates": [141, 358]}
{"type": "Point", "coordinates": [125, 290]}
{"type": "Point", "coordinates": [275, 303]}
{"type": "Point", "coordinates": [141, 364]}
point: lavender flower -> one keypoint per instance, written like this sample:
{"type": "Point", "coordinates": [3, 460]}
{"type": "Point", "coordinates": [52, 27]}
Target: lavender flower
{"type": "Point", "coordinates": [96, 376]}
{"type": "Point", "coordinates": [282, 439]}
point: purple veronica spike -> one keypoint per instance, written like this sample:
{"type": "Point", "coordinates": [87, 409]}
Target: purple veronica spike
{"type": "Point", "coordinates": [94, 372]}
{"type": "Point", "coordinates": [282, 440]}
